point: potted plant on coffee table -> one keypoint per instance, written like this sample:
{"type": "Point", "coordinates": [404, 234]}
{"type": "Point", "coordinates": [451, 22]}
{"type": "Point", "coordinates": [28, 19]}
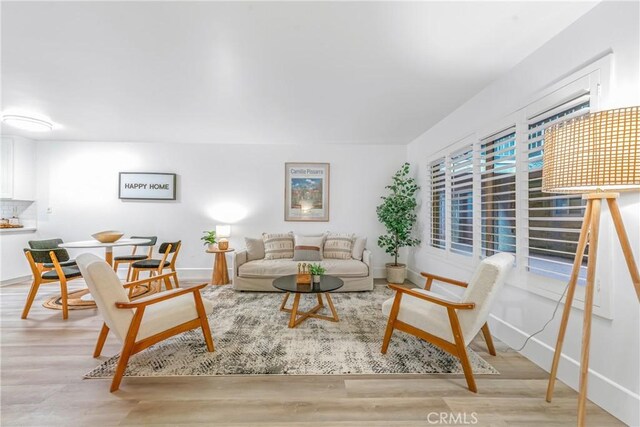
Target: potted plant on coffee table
{"type": "Point", "coordinates": [209, 239]}
{"type": "Point", "coordinates": [398, 215]}
{"type": "Point", "coordinates": [316, 270]}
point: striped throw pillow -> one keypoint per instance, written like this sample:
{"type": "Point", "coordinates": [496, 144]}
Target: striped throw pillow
{"type": "Point", "coordinates": [307, 248]}
{"type": "Point", "coordinates": [278, 245]}
{"type": "Point", "coordinates": [338, 246]}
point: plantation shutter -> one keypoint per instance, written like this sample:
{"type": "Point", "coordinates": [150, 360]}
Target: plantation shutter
{"type": "Point", "coordinates": [554, 220]}
{"type": "Point", "coordinates": [461, 183]}
{"type": "Point", "coordinates": [437, 203]}
{"type": "Point", "coordinates": [498, 192]}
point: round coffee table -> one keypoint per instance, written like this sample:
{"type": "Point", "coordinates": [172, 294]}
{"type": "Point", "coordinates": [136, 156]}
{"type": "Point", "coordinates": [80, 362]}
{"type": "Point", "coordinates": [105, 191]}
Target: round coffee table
{"type": "Point", "coordinates": [290, 286]}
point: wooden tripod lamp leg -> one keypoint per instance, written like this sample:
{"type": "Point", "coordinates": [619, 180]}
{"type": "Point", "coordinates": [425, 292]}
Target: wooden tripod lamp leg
{"type": "Point", "coordinates": [588, 310]}
{"type": "Point", "coordinates": [624, 242]}
{"type": "Point", "coordinates": [575, 273]}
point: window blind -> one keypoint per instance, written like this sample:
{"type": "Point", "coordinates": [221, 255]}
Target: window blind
{"type": "Point", "coordinates": [554, 220]}
{"type": "Point", "coordinates": [461, 184]}
{"type": "Point", "coordinates": [437, 203]}
{"type": "Point", "coordinates": [498, 192]}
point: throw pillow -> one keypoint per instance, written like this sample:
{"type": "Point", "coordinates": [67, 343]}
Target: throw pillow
{"type": "Point", "coordinates": [338, 246]}
{"type": "Point", "coordinates": [255, 248]}
{"type": "Point", "coordinates": [359, 246]}
{"type": "Point", "coordinates": [277, 245]}
{"type": "Point", "coordinates": [307, 248]}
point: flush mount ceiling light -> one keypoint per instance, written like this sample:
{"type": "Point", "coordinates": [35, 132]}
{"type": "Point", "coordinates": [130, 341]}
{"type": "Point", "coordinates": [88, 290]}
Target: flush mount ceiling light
{"type": "Point", "coordinates": [27, 123]}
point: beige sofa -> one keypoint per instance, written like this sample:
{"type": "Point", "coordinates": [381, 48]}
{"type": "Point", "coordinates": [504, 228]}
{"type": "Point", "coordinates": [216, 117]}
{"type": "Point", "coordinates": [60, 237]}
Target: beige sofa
{"type": "Point", "coordinates": [258, 275]}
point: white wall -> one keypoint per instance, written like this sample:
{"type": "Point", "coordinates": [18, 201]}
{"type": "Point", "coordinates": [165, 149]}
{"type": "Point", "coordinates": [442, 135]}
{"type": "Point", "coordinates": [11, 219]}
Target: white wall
{"type": "Point", "coordinates": [79, 182]}
{"type": "Point", "coordinates": [615, 346]}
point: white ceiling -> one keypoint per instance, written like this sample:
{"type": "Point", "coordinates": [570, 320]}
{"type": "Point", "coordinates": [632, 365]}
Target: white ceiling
{"type": "Point", "coordinates": [321, 72]}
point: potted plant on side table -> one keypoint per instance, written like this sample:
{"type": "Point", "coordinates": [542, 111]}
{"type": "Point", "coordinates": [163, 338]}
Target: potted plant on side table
{"type": "Point", "coordinates": [209, 239]}
{"type": "Point", "coordinates": [398, 215]}
{"type": "Point", "coordinates": [316, 270]}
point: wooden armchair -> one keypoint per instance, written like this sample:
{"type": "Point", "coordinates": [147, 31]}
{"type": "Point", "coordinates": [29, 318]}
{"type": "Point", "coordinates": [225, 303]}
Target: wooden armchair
{"type": "Point", "coordinates": [450, 325]}
{"type": "Point", "coordinates": [47, 266]}
{"type": "Point", "coordinates": [141, 323]}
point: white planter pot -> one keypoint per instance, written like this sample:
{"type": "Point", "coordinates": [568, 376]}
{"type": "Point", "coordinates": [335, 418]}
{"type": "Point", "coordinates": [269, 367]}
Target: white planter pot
{"type": "Point", "coordinates": [212, 246]}
{"type": "Point", "coordinates": [316, 278]}
{"type": "Point", "coordinates": [396, 273]}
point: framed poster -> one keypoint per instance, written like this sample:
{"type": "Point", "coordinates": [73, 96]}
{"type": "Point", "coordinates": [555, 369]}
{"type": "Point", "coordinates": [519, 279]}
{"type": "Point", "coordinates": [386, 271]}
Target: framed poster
{"type": "Point", "coordinates": [306, 192]}
{"type": "Point", "coordinates": [147, 186]}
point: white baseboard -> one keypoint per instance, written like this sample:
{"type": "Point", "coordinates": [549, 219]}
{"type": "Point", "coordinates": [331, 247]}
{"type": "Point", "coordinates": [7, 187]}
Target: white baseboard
{"type": "Point", "coordinates": [15, 280]}
{"type": "Point", "coordinates": [611, 396]}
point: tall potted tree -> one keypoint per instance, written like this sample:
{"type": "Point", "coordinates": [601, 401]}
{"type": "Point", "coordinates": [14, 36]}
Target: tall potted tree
{"type": "Point", "coordinates": [398, 214]}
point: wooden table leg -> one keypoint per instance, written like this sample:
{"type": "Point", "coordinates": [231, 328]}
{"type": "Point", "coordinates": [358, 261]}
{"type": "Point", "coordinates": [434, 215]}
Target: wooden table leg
{"type": "Point", "coordinates": [333, 309]}
{"type": "Point", "coordinates": [108, 255]}
{"type": "Point", "coordinates": [220, 273]}
{"type": "Point", "coordinates": [294, 310]}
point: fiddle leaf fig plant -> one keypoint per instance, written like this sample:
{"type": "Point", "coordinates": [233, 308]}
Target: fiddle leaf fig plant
{"type": "Point", "coordinates": [398, 213]}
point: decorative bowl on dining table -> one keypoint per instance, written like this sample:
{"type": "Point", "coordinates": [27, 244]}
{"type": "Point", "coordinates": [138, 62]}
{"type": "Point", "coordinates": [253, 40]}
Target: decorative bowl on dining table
{"type": "Point", "coordinates": [109, 236]}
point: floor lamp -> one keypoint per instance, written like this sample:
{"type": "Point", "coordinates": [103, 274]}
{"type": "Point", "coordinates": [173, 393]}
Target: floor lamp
{"type": "Point", "coordinates": [596, 155]}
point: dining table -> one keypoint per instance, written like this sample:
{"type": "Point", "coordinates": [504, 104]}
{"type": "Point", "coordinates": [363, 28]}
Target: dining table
{"type": "Point", "coordinates": [108, 247]}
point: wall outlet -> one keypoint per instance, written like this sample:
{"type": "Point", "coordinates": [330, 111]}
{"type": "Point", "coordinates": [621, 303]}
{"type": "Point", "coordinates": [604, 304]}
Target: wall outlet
{"type": "Point", "coordinates": [49, 210]}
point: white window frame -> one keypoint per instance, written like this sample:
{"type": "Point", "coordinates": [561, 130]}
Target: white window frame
{"type": "Point", "coordinates": [595, 78]}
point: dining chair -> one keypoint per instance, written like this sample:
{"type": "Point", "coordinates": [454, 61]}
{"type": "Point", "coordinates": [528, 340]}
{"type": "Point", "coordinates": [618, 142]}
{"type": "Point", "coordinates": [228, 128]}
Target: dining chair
{"type": "Point", "coordinates": [63, 255]}
{"type": "Point", "coordinates": [133, 257]}
{"type": "Point", "coordinates": [169, 252]}
{"type": "Point", "coordinates": [447, 324]}
{"type": "Point", "coordinates": [38, 260]}
{"type": "Point", "coordinates": [146, 321]}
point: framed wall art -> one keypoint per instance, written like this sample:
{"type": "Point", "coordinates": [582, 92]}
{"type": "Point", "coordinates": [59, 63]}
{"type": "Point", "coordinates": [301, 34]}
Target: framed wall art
{"type": "Point", "coordinates": [306, 192]}
{"type": "Point", "coordinates": [147, 186]}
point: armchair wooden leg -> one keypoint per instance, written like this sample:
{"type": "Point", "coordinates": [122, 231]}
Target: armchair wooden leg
{"type": "Point", "coordinates": [204, 322]}
{"type": "Point", "coordinates": [32, 295]}
{"type": "Point", "coordinates": [101, 339]}
{"type": "Point", "coordinates": [64, 298]}
{"type": "Point", "coordinates": [127, 348]}
{"type": "Point", "coordinates": [395, 308]}
{"type": "Point", "coordinates": [487, 337]}
{"type": "Point", "coordinates": [462, 350]}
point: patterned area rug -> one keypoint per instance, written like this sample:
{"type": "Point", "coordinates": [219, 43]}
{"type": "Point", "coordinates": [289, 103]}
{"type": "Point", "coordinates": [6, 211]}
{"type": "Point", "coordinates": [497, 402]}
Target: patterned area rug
{"type": "Point", "coordinates": [251, 337]}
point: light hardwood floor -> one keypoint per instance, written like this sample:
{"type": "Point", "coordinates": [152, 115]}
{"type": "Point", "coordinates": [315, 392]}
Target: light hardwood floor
{"type": "Point", "coordinates": [44, 358]}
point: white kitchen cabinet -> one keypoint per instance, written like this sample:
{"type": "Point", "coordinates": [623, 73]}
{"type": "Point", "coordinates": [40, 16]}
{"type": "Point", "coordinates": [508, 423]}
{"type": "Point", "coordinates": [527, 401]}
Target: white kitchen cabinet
{"type": "Point", "coordinates": [18, 168]}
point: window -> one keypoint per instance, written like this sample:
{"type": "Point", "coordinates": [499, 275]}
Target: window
{"type": "Point", "coordinates": [553, 220]}
{"type": "Point", "coordinates": [437, 208]}
{"type": "Point", "coordinates": [498, 193]}
{"type": "Point", "coordinates": [461, 182]}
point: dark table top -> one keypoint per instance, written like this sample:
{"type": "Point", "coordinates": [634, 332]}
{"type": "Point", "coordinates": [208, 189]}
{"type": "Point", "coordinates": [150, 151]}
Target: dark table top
{"type": "Point", "coordinates": [327, 284]}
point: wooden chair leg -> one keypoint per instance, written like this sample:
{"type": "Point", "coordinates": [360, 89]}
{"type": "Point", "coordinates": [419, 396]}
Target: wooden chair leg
{"type": "Point", "coordinates": [176, 283]}
{"type": "Point", "coordinates": [462, 349]}
{"type": "Point", "coordinates": [101, 339]}
{"type": "Point", "coordinates": [127, 348]}
{"type": "Point", "coordinates": [30, 297]}
{"type": "Point", "coordinates": [167, 283]}
{"type": "Point", "coordinates": [115, 266]}
{"type": "Point", "coordinates": [204, 322]}
{"type": "Point", "coordinates": [395, 308]}
{"type": "Point", "coordinates": [64, 298]}
{"type": "Point", "coordinates": [487, 337]}
{"type": "Point", "coordinates": [129, 275]}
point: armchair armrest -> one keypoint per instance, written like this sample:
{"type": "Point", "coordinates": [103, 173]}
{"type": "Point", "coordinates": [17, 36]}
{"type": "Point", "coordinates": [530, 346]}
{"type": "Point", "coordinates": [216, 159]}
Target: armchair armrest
{"type": "Point", "coordinates": [162, 296]}
{"type": "Point", "coordinates": [150, 279]}
{"type": "Point", "coordinates": [431, 277]}
{"type": "Point", "coordinates": [367, 257]}
{"type": "Point", "coordinates": [239, 258]}
{"type": "Point", "coordinates": [435, 300]}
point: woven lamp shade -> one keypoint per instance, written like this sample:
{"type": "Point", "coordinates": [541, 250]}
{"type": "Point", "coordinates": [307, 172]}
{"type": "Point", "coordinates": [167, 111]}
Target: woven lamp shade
{"type": "Point", "coordinates": [595, 152]}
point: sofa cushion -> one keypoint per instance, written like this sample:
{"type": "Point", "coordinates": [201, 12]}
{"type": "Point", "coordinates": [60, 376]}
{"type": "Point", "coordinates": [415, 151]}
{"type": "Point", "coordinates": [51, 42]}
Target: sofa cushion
{"type": "Point", "coordinates": [359, 246]}
{"type": "Point", "coordinates": [307, 248]}
{"type": "Point", "coordinates": [277, 245]}
{"type": "Point", "coordinates": [338, 246]}
{"type": "Point", "coordinates": [255, 248]}
{"type": "Point", "coordinates": [281, 267]}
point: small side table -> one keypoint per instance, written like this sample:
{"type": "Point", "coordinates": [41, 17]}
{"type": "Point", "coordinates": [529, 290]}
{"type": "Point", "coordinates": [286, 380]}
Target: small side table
{"type": "Point", "coordinates": [220, 274]}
